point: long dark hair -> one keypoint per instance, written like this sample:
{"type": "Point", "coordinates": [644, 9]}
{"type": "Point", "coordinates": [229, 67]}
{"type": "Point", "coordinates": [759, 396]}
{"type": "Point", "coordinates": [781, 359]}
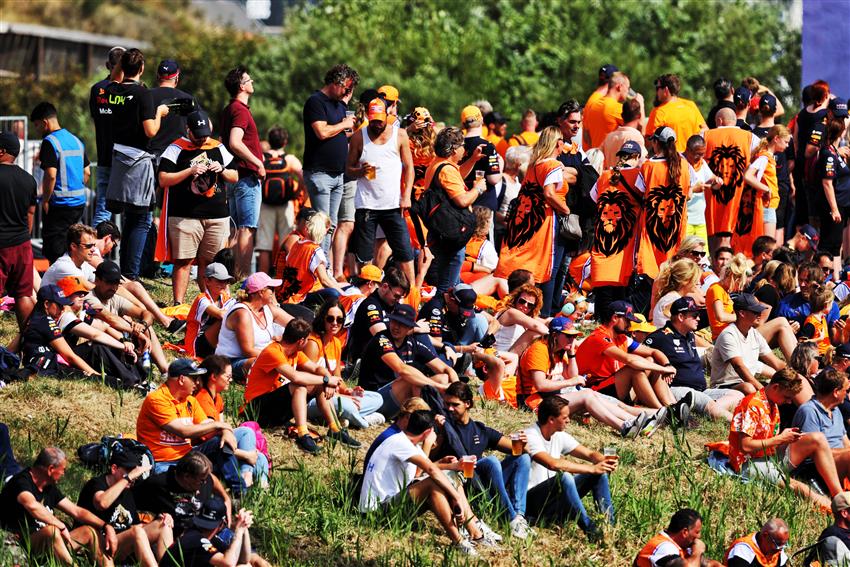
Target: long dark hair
{"type": "Point", "coordinates": [319, 319]}
{"type": "Point", "coordinates": [673, 159]}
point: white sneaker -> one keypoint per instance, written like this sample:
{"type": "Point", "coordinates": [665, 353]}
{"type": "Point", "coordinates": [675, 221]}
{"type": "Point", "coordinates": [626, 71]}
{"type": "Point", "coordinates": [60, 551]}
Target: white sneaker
{"type": "Point", "coordinates": [488, 532]}
{"type": "Point", "coordinates": [466, 547]}
{"type": "Point", "coordinates": [519, 527]}
{"type": "Point", "coordinates": [375, 419]}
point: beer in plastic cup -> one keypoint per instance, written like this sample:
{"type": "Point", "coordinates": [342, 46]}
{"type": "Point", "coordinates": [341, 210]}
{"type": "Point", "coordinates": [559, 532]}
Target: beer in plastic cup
{"type": "Point", "coordinates": [467, 464]}
{"type": "Point", "coordinates": [516, 445]}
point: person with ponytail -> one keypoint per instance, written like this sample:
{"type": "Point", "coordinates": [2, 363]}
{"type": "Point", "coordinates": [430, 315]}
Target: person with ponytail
{"type": "Point", "coordinates": [761, 174]}
{"type": "Point", "coordinates": [677, 279]}
{"type": "Point", "coordinates": [833, 195]}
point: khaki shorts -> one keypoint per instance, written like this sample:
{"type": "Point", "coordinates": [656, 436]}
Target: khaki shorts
{"type": "Point", "coordinates": [197, 238]}
{"type": "Point", "coordinates": [280, 220]}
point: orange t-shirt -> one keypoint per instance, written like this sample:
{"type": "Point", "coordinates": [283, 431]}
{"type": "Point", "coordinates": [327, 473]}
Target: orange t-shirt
{"type": "Point", "coordinates": [758, 418]}
{"type": "Point", "coordinates": [727, 152]}
{"type": "Point", "coordinates": [534, 358]}
{"type": "Point", "coordinates": [664, 214]}
{"type": "Point", "coordinates": [612, 257]}
{"type": "Point", "coordinates": [264, 377]}
{"type": "Point", "coordinates": [161, 408]}
{"type": "Point", "coordinates": [330, 353]}
{"type": "Point", "coordinates": [821, 336]}
{"type": "Point", "coordinates": [506, 393]}
{"type": "Point", "coordinates": [717, 293]}
{"type": "Point", "coordinates": [760, 557]}
{"type": "Point", "coordinates": [298, 279]}
{"type": "Point", "coordinates": [604, 116]}
{"type": "Point", "coordinates": [680, 114]}
{"type": "Point", "coordinates": [213, 408]}
{"type": "Point", "coordinates": [449, 178]}
{"type": "Point", "coordinates": [523, 139]}
{"type": "Point", "coordinates": [654, 546]}
{"type": "Point", "coordinates": [591, 360]}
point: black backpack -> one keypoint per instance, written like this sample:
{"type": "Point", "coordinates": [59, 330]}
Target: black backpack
{"type": "Point", "coordinates": [96, 455]}
{"type": "Point", "coordinates": [453, 226]}
{"type": "Point", "coordinates": [281, 185]}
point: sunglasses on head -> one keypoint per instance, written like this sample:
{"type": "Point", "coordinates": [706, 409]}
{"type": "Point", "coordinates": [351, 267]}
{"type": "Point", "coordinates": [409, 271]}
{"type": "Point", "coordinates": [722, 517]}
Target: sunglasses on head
{"type": "Point", "coordinates": [332, 319]}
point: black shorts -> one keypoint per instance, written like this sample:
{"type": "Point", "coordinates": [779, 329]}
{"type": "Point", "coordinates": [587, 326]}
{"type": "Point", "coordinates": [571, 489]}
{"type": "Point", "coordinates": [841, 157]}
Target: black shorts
{"type": "Point", "coordinates": [367, 221]}
{"type": "Point", "coordinates": [273, 409]}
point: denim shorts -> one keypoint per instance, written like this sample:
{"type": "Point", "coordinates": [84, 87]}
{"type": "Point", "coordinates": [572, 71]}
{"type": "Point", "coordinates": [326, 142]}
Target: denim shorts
{"type": "Point", "coordinates": [243, 198]}
{"type": "Point", "coordinates": [770, 215]}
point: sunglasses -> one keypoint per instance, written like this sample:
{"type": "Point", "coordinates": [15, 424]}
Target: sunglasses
{"type": "Point", "coordinates": [530, 304]}
{"type": "Point", "coordinates": [332, 319]}
{"type": "Point", "coordinates": [87, 246]}
{"type": "Point", "coordinates": [776, 544]}
{"type": "Point", "coordinates": [697, 253]}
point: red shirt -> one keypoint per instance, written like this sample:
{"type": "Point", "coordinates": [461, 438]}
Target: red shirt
{"type": "Point", "coordinates": [599, 367]}
{"type": "Point", "coordinates": [758, 418]}
{"type": "Point", "coordinates": [237, 114]}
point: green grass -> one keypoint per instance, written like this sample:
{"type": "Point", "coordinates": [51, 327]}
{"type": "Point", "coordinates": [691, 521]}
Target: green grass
{"type": "Point", "coordinates": [307, 517]}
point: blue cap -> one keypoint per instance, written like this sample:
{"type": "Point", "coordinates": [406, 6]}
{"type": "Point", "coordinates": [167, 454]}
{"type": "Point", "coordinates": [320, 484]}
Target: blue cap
{"type": "Point", "coordinates": [624, 309]}
{"type": "Point", "coordinates": [769, 101]}
{"type": "Point", "coordinates": [838, 106]}
{"type": "Point", "coordinates": [684, 304]}
{"type": "Point", "coordinates": [212, 514]}
{"type": "Point", "coordinates": [748, 302]}
{"type": "Point", "coordinates": [742, 96]}
{"type": "Point", "coordinates": [53, 293]}
{"type": "Point", "coordinates": [563, 325]}
{"type": "Point", "coordinates": [630, 148]}
{"type": "Point", "coordinates": [185, 367]}
{"type": "Point", "coordinates": [168, 69]}
{"type": "Point", "coordinates": [608, 70]}
{"type": "Point", "coordinates": [811, 234]}
{"type": "Point", "coordinates": [404, 314]}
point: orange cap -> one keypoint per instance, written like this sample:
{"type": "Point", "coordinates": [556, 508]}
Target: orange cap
{"type": "Point", "coordinates": [390, 92]}
{"type": "Point", "coordinates": [377, 110]}
{"type": "Point", "coordinates": [372, 273]}
{"type": "Point", "coordinates": [71, 285]}
{"type": "Point", "coordinates": [470, 114]}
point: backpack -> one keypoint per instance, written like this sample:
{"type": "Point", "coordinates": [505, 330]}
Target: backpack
{"type": "Point", "coordinates": [281, 185]}
{"type": "Point", "coordinates": [453, 226]}
{"type": "Point", "coordinates": [96, 455]}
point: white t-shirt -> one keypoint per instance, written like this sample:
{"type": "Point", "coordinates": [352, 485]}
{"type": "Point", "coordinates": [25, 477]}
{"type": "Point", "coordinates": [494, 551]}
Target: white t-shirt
{"type": "Point", "coordinates": [64, 267]}
{"type": "Point", "coordinates": [389, 471]}
{"type": "Point", "coordinates": [661, 311]}
{"type": "Point", "coordinates": [730, 344]}
{"type": "Point", "coordinates": [205, 302]}
{"type": "Point", "coordinates": [487, 256]}
{"type": "Point", "coordinates": [664, 550]}
{"type": "Point", "coordinates": [561, 443]}
{"type": "Point", "coordinates": [511, 191]}
{"type": "Point", "coordinates": [696, 202]}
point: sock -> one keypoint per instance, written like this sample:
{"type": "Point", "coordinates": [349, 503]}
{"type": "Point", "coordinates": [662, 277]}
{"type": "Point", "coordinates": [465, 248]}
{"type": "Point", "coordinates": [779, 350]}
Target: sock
{"type": "Point", "coordinates": [302, 430]}
{"type": "Point", "coordinates": [333, 427]}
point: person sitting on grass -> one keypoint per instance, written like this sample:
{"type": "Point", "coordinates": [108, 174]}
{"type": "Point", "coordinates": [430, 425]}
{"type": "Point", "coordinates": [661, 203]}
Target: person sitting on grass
{"type": "Point", "coordinates": [506, 479]}
{"type": "Point", "coordinates": [519, 321]}
{"type": "Point", "coordinates": [281, 381]}
{"type": "Point", "coordinates": [371, 316]}
{"type": "Point", "coordinates": [556, 497]}
{"type": "Point", "coordinates": [764, 548]}
{"type": "Point", "coordinates": [740, 352]}
{"type": "Point", "coordinates": [833, 548]}
{"type": "Point", "coordinates": [389, 478]}
{"type": "Point", "coordinates": [206, 312]}
{"type": "Point", "coordinates": [681, 539]}
{"type": "Point", "coordinates": [110, 498]}
{"type": "Point", "coordinates": [392, 361]}
{"type": "Point", "coordinates": [27, 505]}
{"type": "Point", "coordinates": [757, 451]}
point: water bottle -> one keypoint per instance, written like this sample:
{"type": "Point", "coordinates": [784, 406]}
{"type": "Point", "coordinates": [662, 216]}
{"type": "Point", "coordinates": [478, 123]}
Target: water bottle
{"type": "Point", "coordinates": [146, 360]}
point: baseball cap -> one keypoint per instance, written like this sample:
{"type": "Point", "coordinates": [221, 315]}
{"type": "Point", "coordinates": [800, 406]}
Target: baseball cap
{"type": "Point", "coordinates": [108, 271]}
{"type": "Point", "coordinates": [260, 280]}
{"type": "Point", "coordinates": [422, 114]}
{"type": "Point", "coordinates": [71, 285]}
{"type": "Point", "coordinates": [377, 110]}
{"type": "Point", "coordinates": [607, 70]}
{"type": "Point", "coordinates": [843, 350]}
{"type": "Point", "coordinates": [838, 106]}
{"type": "Point", "coordinates": [742, 96]}
{"type": "Point", "coordinates": [218, 272]}
{"type": "Point", "coordinates": [625, 309]}
{"type": "Point", "coordinates": [212, 514]}
{"type": "Point", "coordinates": [10, 143]}
{"type": "Point", "coordinates": [167, 69]}
{"type": "Point", "coordinates": [466, 297]}
{"type": "Point", "coordinates": [185, 367]}
{"type": "Point", "coordinates": [642, 325]}
{"type": "Point", "coordinates": [372, 273]}
{"type": "Point", "coordinates": [494, 118]}
{"type": "Point", "coordinates": [840, 501]}
{"type": "Point", "coordinates": [768, 101]}
{"type": "Point", "coordinates": [563, 325]}
{"type": "Point", "coordinates": [629, 148]}
{"type": "Point", "coordinates": [404, 314]}
{"type": "Point", "coordinates": [684, 305]}
{"type": "Point", "coordinates": [747, 302]}
{"type": "Point", "coordinates": [470, 114]}
{"type": "Point", "coordinates": [52, 292]}
{"type": "Point", "coordinates": [125, 459]}
{"type": "Point", "coordinates": [663, 134]}
{"type": "Point", "coordinates": [199, 123]}
{"type": "Point", "coordinates": [811, 234]}
{"type": "Point", "coordinates": [390, 92]}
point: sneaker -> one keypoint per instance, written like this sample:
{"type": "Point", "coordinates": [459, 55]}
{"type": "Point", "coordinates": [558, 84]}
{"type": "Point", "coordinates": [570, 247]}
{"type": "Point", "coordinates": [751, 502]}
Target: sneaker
{"type": "Point", "coordinates": [375, 419]}
{"type": "Point", "coordinates": [681, 410]}
{"type": "Point", "coordinates": [488, 532]}
{"type": "Point", "coordinates": [631, 429]}
{"type": "Point", "coordinates": [176, 326]}
{"type": "Point", "coordinates": [466, 547]}
{"type": "Point", "coordinates": [343, 437]}
{"type": "Point", "coordinates": [519, 527]}
{"type": "Point", "coordinates": [307, 444]}
{"type": "Point", "coordinates": [484, 541]}
{"type": "Point", "coordinates": [654, 423]}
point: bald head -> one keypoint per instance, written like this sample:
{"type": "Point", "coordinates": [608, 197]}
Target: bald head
{"type": "Point", "coordinates": [725, 117]}
{"type": "Point", "coordinates": [775, 527]}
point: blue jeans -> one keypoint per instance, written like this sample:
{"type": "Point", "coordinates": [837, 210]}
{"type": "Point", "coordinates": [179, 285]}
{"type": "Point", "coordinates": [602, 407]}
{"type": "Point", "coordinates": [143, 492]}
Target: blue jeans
{"type": "Point", "coordinates": [243, 198]}
{"type": "Point", "coordinates": [100, 213]}
{"type": "Point", "coordinates": [553, 288]}
{"type": "Point", "coordinates": [508, 479]}
{"type": "Point", "coordinates": [224, 464]}
{"type": "Point", "coordinates": [369, 404]}
{"type": "Point", "coordinates": [446, 265]}
{"type": "Point", "coordinates": [474, 330]}
{"type": "Point", "coordinates": [134, 235]}
{"type": "Point", "coordinates": [325, 191]}
{"type": "Point", "coordinates": [560, 497]}
{"type": "Point", "coordinates": [246, 440]}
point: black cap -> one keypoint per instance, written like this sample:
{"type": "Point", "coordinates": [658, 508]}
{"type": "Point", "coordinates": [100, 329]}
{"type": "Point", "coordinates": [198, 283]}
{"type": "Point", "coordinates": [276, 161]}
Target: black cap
{"type": "Point", "coordinates": [11, 143]}
{"type": "Point", "coordinates": [212, 514]}
{"type": "Point", "coordinates": [185, 367]}
{"type": "Point", "coordinates": [404, 314]}
{"type": "Point", "coordinates": [684, 304]}
{"type": "Point", "coordinates": [742, 96]}
{"type": "Point", "coordinates": [108, 271]}
{"type": "Point", "coordinates": [466, 298]}
{"type": "Point", "coordinates": [199, 124]}
{"type": "Point", "coordinates": [53, 293]}
{"type": "Point", "coordinates": [843, 350]}
{"type": "Point", "coordinates": [125, 459]}
{"type": "Point", "coordinates": [748, 302]}
{"type": "Point", "coordinates": [624, 309]}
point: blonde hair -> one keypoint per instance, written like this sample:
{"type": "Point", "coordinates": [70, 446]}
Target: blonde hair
{"type": "Point", "coordinates": [596, 159]}
{"type": "Point", "coordinates": [546, 144]}
{"type": "Point", "coordinates": [689, 244]}
{"type": "Point", "coordinates": [767, 272]}
{"type": "Point", "coordinates": [738, 269]}
{"type": "Point", "coordinates": [483, 216]}
{"type": "Point", "coordinates": [820, 298]}
{"type": "Point", "coordinates": [411, 405]}
{"type": "Point", "coordinates": [778, 131]}
{"type": "Point", "coordinates": [422, 141]}
{"type": "Point", "coordinates": [317, 226]}
{"type": "Point", "coordinates": [676, 275]}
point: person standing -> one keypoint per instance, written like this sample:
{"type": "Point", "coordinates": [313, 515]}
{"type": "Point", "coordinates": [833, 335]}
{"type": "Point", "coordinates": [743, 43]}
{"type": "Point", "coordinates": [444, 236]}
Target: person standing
{"type": "Point", "coordinates": [606, 114]}
{"type": "Point", "coordinates": [325, 141]}
{"type": "Point", "coordinates": [241, 138]}
{"type": "Point", "coordinates": [17, 210]}
{"type": "Point", "coordinates": [102, 116]}
{"type": "Point", "coordinates": [66, 174]}
{"type": "Point", "coordinates": [680, 114]}
{"type": "Point", "coordinates": [480, 155]}
{"type": "Point", "coordinates": [166, 91]}
{"type": "Point", "coordinates": [131, 181]}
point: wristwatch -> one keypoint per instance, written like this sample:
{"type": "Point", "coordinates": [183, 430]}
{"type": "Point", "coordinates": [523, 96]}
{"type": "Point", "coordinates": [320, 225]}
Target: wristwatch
{"type": "Point", "coordinates": [127, 478]}
{"type": "Point", "coordinates": [325, 380]}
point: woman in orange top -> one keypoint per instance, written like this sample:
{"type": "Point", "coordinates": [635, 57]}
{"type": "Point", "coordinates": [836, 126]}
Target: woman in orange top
{"type": "Point", "coordinates": [665, 183]}
{"type": "Point", "coordinates": [304, 269]}
{"type": "Point", "coordinates": [324, 348]}
{"type": "Point", "coordinates": [761, 176]}
{"type": "Point", "coordinates": [421, 136]}
{"type": "Point", "coordinates": [253, 465]}
{"type": "Point", "coordinates": [482, 258]}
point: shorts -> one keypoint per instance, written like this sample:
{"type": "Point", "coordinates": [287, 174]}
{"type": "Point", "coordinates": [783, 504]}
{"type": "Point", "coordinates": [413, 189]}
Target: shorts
{"type": "Point", "coordinates": [346, 205]}
{"type": "Point", "coordinates": [769, 215]}
{"type": "Point", "coordinates": [391, 405]}
{"type": "Point", "coordinates": [244, 198]}
{"type": "Point", "coordinates": [16, 270]}
{"type": "Point", "coordinates": [701, 399]}
{"type": "Point", "coordinates": [772, 469]}
{"type": "Point", "coordinates": [273, 409]}
{"type": "Point", "coordinates": [278, 220]}
{"type": "Point", "coordinates": [197, 238]}
{"type": "Point", "coordinates": [395, 228]}
{"type": "Point", "coordinates": [697, 230]}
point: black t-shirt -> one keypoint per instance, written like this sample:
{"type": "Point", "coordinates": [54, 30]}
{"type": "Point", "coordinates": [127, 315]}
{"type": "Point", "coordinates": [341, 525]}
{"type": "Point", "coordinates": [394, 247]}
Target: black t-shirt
{"type": "Point", "coordinates": [17, 195]}
{"type": "Point", "coordinates": [444, 325]}
{"type": "Point", "coordinates": [185, 199]}
{"type": "Point", "coordinates": [372, 310]}
{"type": "Point", "coordinates": [833, 167]}
{"type": "Point", "coordinates": [121, 515]}
{"type": "Point", "coordinates": [324, 155]}
{"type": "Point", "coordinates": [102, 116]}
{"type": "Point", "coordinates": [173, 125]}
{"type": "Point", "coordinates": [131, 104]}
{"type": "Point", "coordinates": [191, 550]}
{"type": "Point", "coordinates": [374, 373]}
{"type": "Point", "coordinates": [768, 295]}
{"type": "Point", "coordinates": [681, 351]}
{"type": "Point", "coordinates": [48, 157]}
{"type": "Point", "coordinates": [13, 516]}
{"type": "Point", "coordinates": [162, 494]}
{"type": "Point", "coordinates": [710, 120]}
{"type": "Point", "coordinates": [475, 437]}
{"type": "Point", "coordinates": [806, 122]}
{"type": "Point", "coordinates": [489, 164]}
{"type": "Point", "coordinates": [41, 330]}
